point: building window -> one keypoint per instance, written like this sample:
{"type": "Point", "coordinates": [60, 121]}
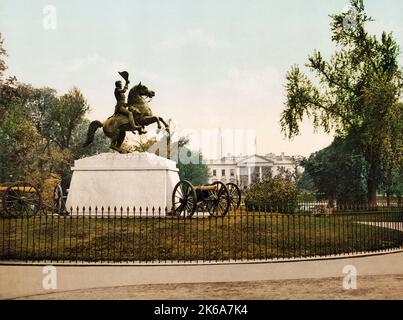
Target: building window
{"type": "Point", "coordinates": [223, 172]}
{"type": "Point", "coordinates": [214, 173]}
{"type": "Point", "coordinates": [232, 172]}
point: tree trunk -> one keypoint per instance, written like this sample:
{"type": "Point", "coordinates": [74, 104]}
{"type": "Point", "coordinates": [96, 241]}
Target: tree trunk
{"type": "Point", "coordinates": [371, 191]}
{"type": "Point", "coordinates": [330, 203]}
{"type": "Point", "coordinates": [371, 182]}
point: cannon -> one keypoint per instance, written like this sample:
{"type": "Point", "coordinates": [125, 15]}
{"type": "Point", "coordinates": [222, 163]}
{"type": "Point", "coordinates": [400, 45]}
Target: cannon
{"type": "Point", "coordinates": [217, 198]}
{"type": "Point", "coordinates": [20, 197]}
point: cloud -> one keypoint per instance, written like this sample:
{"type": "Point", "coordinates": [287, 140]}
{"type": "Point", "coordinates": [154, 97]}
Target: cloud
{"type": "Point", "coordinates": [197, 38]}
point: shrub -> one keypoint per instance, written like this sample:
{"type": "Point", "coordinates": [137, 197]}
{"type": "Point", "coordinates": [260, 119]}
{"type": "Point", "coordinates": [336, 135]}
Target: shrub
{"type": "Point", "coordinates": [277, 194]}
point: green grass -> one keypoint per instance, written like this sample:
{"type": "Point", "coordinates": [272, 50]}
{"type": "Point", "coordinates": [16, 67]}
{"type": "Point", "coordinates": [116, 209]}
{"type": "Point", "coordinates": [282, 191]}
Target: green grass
{"type": "Point", "coordinates": [236, 236]}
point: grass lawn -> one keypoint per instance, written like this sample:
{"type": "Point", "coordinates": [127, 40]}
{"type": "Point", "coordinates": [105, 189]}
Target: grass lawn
{"type": "Point", "coordinates": [240, 236]}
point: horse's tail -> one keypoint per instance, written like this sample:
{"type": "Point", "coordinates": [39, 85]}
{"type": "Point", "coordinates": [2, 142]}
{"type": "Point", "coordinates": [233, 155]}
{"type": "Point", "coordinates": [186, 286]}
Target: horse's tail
{"type": "Point", "coordinates": [94, 125]}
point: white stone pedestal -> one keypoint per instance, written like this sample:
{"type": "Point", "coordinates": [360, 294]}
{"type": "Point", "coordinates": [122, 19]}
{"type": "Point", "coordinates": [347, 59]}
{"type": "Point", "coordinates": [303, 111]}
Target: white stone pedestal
{"type": "Point", "coordinates": [122, 180]}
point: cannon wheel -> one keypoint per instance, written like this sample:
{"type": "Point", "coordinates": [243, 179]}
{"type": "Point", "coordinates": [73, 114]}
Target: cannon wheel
{"type": "Point", "coordinates": [22, 198]}
{"type": "Point", "coordinates": [184, 199]}
{"type": "Point", "coordinates": [220, 204]}
{"type": "Point", "coordinates": [59, 200]}
{"type": "Point", "coordinates": [234, 195]}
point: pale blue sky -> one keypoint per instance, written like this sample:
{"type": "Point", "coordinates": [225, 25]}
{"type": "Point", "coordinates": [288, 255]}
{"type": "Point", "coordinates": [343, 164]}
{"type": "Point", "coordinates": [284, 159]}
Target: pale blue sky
{"type": "Point", "coordinates": [212, 63]}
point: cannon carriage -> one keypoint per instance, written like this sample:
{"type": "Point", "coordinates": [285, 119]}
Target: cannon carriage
{"type": "Point", "coordinates": [217, 198]}
{"type": "Point", "coordinates": [19, 197]}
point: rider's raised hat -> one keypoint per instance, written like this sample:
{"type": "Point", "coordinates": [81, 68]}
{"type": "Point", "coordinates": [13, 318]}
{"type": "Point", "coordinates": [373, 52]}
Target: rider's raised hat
{"type": "Point", "coordinates": [124, 75]}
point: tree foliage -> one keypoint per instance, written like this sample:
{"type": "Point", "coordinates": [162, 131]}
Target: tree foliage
{"type": "Point", "coordinates": [338, 172]}
{"type": "Point", "coordinates": [277, 194]}
{"type": "Point", "coordinates": [19, 141]}
{"type": "Point", "coordinates": [2, 55]}
{"type": "Point", "coordinates": [195, 170]}
{"type": "Point", "coordinates": [358, 94]}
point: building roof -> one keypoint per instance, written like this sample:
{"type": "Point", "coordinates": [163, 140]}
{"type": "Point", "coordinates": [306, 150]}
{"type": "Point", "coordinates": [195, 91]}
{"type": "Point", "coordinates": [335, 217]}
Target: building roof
{"type": "Point", "coordinates": [252, 159]}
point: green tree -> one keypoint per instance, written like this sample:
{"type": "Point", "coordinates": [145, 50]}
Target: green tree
{"type": "Point", "coordinates": [275, 193]}
{"type": "Point", "coordinates": [190, 163]}
{"type": "Point", "coordinates": [195, 170]}
{"type": "Point", "coordinates": [338, 172]}
{"type": "Point", "coordinates": [305, 182]}
{"type": "Point", "coordinates": [99, 145]}
{"type": "Point", "coordinates": [19, 141]}
{"type": "Point", "coordinates": [64, 131]}
{"type": "Point", "coordinates": [64, 117]}
{"type": "Point", "coordinates": [6, 85]}
{"type": "Point", "coordinates": [392, 184]}
{"type": "Point", "coordinates": [358, 93]}
{"type": "Point", "coordinates": [3, 54]}
{"type": "Point", "coordinates": [44, 130]}
{"type": "Point", "coordinates": [22, 144]}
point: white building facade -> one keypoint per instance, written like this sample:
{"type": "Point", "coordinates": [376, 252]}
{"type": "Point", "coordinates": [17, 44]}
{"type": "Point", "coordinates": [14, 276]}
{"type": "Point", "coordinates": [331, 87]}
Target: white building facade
{"type": "Point", "coordinates": [247, 170]}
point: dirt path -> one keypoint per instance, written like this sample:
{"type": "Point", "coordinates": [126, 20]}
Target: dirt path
{"type": "Point", "coordinates": [368, 287]}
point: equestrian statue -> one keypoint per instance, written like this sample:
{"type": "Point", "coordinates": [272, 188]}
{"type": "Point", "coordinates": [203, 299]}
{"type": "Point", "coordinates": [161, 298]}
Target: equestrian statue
{"type": "Point", "coordinates": [133, 115]}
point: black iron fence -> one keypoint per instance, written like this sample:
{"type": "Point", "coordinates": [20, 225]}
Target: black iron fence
{"type": "Point", "coordinates": [154, 235]}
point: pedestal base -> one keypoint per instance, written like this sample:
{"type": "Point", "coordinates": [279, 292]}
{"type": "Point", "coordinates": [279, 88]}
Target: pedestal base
{"type": "Point", "coordinates": [127, 181]}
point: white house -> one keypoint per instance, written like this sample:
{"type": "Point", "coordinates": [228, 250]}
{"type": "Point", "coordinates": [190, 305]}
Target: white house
{"type": "Point", "coordinates": [246, 170]}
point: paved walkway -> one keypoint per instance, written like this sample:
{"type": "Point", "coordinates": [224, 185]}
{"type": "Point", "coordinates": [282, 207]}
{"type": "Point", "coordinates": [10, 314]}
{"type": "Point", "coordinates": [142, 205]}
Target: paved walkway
{"type": "Point", "coordinates": [24, 280]}
{"type": "Point", "coordinates": [390, 225]}
{"type": "Point", "coordinates": [368, 287]}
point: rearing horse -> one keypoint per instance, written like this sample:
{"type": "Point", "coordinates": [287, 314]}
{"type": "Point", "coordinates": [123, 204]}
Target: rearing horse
{"type": "Point", "coordinates": [115, 127]}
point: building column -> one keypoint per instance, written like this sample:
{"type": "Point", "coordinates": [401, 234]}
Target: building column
{"type": "Point", "coordinates": [260, 173]}
{"type": "Point", "coordinates": [249, 177]}
{"type": "Point", "coordinates": [238, 176]}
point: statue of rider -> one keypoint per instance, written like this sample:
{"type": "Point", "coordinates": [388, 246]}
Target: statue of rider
{"type": "Point", "coordinates": [121, 105]}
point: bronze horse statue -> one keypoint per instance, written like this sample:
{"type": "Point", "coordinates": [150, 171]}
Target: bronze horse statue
{"type": "Point", "coordinates": [116, 126]}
